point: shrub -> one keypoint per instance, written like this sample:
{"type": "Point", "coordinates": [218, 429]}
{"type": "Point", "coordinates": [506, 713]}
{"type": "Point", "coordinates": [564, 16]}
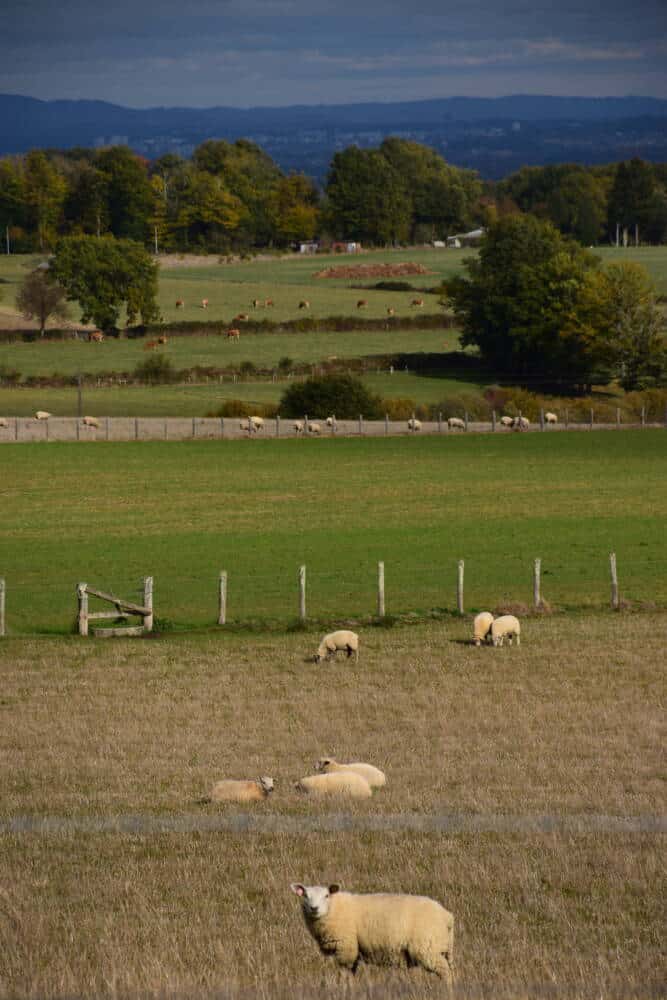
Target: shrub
{"type": "Point", "coordinates": [458, 404]}
{"type": "Point", "coordinates": [402, 408]}
{"type": "Point", "coordinates": [243, 408]}
{"type": "Point", "coordinates": [247, 368]}
{"type": "Point", "coordinates": [156, 370]}
{"type": "Point", "coordinates": [343, 395]}
{"type": "Point", "coordinates": [285, 364]}
{"type": "Point", "coordinates": [394, 286]}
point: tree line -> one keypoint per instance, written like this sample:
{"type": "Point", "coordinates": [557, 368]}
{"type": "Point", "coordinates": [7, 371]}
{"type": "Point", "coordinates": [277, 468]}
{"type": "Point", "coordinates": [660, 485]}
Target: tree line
{"type": "Point", "coordinates": [232, 197]}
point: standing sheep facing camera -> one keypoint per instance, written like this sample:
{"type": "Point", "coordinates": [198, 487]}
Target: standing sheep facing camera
{"type": "Point", "coordinates": [414, 424]}
{"type": "Point", "coordinates": [373, 775]}
{"type": "Point", "coordinates": [231, 790]}
{"type": "Point", "coordinates": [345, 784]}
{"type": "Point", "coordinates": [335, 641]}
{"type": "Point", "coordinates": [379, 928]}
{"type": "Point", "coordinates": [481, 627]}
{"type": "Point", "coordinates": [506, 627]}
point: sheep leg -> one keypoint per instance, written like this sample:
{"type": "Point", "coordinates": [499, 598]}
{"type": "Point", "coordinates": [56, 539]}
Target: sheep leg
{"type": "Point", "coordinates": [347, 954]}
{"type": "Point", "coordinates": [518, 640]}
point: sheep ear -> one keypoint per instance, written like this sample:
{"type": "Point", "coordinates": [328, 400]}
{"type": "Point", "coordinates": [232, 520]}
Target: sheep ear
{"type": "Point", "coordinates": [333, 888]}
{"type": "Point", "coordinates": [298, 889]}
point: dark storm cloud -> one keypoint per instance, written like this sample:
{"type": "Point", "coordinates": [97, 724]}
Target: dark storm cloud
{"type": "Point", "coordinates": [245, 52]}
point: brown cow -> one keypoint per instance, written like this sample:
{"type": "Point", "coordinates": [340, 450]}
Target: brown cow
{"type": "Point", "coordinates": [241, 318]}
{"type": "Point", "coordinates": [417, 302]}
{"type": "Point", "coordinates": [304, 304]}
{"type": "Point", "coordinates": [150, 345]}
{"type": "Point", "coordinates": [96, 336]}
{"type": "Point", "coordinates": [180, 304]}
{"type": "Point", "coordinates": [362, 303]}
{"type": "Point", "coordinates": [256, 303]}
{"type": "Point", "coordinates": [233, 334]}
{"type": "Point", "coordinates": [268, 302]}
{"type": "Point", "coordinates": [204, 303]}
{"type": "Point", "coordinates": [162, 339]}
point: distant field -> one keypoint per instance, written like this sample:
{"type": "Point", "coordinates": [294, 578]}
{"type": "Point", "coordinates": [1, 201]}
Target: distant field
{"type": "Point", "coordinates": [111, 513]}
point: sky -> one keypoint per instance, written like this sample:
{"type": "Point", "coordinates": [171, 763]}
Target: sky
{"type": "Point", "coordinates": [244, 53]}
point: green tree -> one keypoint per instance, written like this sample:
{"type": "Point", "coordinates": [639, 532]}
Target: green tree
{"type": "Point", "coordinates": [39, 296]}
{"type": "Point", "coordinates": [103, 274]}
{"type": "Point", "coordinates": [129, 193]}
{"type": "Point", "coordinates": [520, 294]}
{"type": "Point", "coordinates": [292, 209]}
{"type": "Point", "coordinates": [631, 196]}
{"type": "Point", "coordinates": [367, 198]}
{"type": "Point", "coordinates": [322, 396]}
{"type": "Point", "coordinates": [13, 205]}
{"type": "Point", "coordinates": [86, 206]}
{"type": "Point", "coordinates": [45, 191]}
{"type": "Point", "coordinates": [617, 310]}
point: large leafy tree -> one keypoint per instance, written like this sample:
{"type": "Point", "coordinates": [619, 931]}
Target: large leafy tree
{"type": "Point", "coordinates": [321, 396]}
{"type": "Point", "coordinates": [104, 274]}
{"type": "Point", "coordinates": [367, 198]}
{"type": "Point", "coordinates": [519, 296]}
{"type": "Point", "coordinates": [45, 191]}
{"type": "Point", "coordinates": [129, 193]}
{"type": "Point", "coordinates": [292, 209]}
{"type": "Point", "coordinates": [631, 196]}
{"type": "Point", "coordinates": [40, 297]}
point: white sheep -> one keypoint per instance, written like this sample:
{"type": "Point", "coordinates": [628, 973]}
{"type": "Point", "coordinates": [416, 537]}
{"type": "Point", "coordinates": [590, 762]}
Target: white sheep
{"type": "Point", "coordinates": [551, 418]}
{"type": "Point", "coordinates": [90, 422]}
{"type": "Point", "coordinates": [313, 428]}
{"type": "Point", "coordinates": [379, 928]}
{"type": "Point", "coordinates": [42, 415]}
{"type": "Point", "coordinates": [4, 422]}
{"type": "Point", "coordinates": [373, 775]}
{"type": "Point", "coordinates": [340, 784]}
{"type": "Point", "coordinates": [506, 627]}
{"type": "Point", "coordinates": [414, 424]}
{"type": "Point", "coordinates": [481, 627]}
{"type": "Point", "coordinates": [521, 423]}
{"type": "Point", "coordinates": [231, 790]}
{"type": "Point", "coordinates": [335, 641]}
{"type": "Point", "coordinates": [331, 421]}
{"type": "Point", "coordinates": [507, 421]}
{"type": "Point", "coordinates": [257, 423]}
{"type": "Point", "coordinates": [298, 426]}
{"type": "Point", "coordinates": [455, 423]}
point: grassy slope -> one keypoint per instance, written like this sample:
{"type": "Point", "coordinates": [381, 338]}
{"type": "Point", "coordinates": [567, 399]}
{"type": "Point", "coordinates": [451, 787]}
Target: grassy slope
{"type": "Point", "coordinates": [184, 511]}
{"type": "Point", "coordinates": [567, 727]}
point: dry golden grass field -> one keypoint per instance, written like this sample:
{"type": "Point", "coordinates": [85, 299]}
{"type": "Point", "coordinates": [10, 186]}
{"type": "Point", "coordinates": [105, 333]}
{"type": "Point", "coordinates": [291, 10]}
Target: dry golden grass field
{"type": "Point", "coordinates": [524, 792]}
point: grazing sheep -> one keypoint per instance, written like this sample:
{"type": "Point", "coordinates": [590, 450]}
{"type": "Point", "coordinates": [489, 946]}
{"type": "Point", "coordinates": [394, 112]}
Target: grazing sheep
{"type": "Point", "coordinates": [417, 302]}
{"type": "Point", "coordinates": [90, 422]}
{"type": "Point", "coordinates": [340, 784]}
{"type": "Point", "coordinates": [180, 304]}
{"type": "Point", "coordinates": [507, 421]}
{"type": "Point", "coordinates": [204, 303]}
{"type": "Point", "coordinates": [481, 628]}
{"type": "Point", "coordinates": [414, 424]}
{"type": "Point", "coordinates": [230, 790]}
{"type": "Point", "coordinates": [4, 422]}
{"type": "Point", "coordinates": [304, 304]}
{"type": "Point", "coordinates": [379, 928]}
{"type": "Point", "coordinates": [314, 428]}
{"type": "Point", "coordinates": [335, 641]}
{"type": "Point", "coordinates": [506, 627]}
{"type": "Point", "coordinates": [520, 423]}
{"type": "Point", "coordinates": [455, 423]}
{"type": "Point", "coordinates": [551, 418]}
{"type": "Point", "coordinates": [362, 304]}
{"type": "Point", "coordinates": [373, 775]}
{"type": "Point", "coordinates": [298, 426]}
{"type": "Point", "coordinates": [96, 336]}
{"type": "Point", "coordinates": [42, 415]}
{"type": "Point", "coordinates": [257, 423]}
{"type": "Point", "coordinates": [233, 334]}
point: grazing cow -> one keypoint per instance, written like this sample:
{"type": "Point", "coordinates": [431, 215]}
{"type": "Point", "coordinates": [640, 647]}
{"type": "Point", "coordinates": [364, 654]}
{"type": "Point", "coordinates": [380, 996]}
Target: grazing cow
{"type": "Point", "coordinates": [241, 318]}
{"type": "Point", "coordinates": [362, 304]}
{"type": "Point", "coordinates": [418, 303]}
{"type": "Point", "coordinates": [97, 336]}
{"type": "Point", "coordinates": [304, 304]}
{"type": "Point", "coordinates": [180, 304]}
{"type": "Point", "coordinates": [256, 303]}
{"type": "Point", "coordinates": [268, 303]}
{"type": "Point", "coordinates": [151, 345]}
{"type": "Point", "coordinates": [391, 311]}
{"type": "Point", "coordinates": [204, 303]}
{"type": "Point", "coordinates": [233, 334]}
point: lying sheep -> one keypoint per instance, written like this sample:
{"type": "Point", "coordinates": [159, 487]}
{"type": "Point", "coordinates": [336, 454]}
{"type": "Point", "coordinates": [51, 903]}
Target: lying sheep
{"type": "Point", "coordinates": [520, 423]}
{"type": "Point", "coordinates": [314, 428]}
{"type": "Point", "coordinates": [455, 423]}
{"type": "Point", "coordinates": [90, 422]}
{"type": "Point", "coordinates": [345, 784]}
{"type": "Point", "coordinates": [481, 628]}
{"type": "Point", "coordinates": [414, 424]}
{"type": "Point", "coordinates": [373, 775]}
{"type": "Point", "coordinates": [380, 928]}
{"type": "Point", "coordinates": [230, 790]}
{"type": "Point", "coordinates": [507, 421]}
{"type": "Point", "coordinates": [506, 627]}
{"type": "Point", "coordinates": [551, 418]}
{"type": "Point", "coordinates": [335, 641]}
{"type": "Point", "coordinates": [42, 415]}
{"type": "Point", "coordinates": [4, 422]}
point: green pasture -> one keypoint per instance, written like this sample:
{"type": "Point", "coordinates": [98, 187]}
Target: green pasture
{"type": "Point", "coordinates": [110, 513]}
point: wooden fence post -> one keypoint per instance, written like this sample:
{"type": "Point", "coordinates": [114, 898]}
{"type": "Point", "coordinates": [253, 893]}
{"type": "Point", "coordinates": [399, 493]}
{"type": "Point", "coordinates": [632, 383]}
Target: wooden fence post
{"type": "Point", "coordinates": [537, 596]}
{"type": "Point", "coordinates": [222, 599]}
{"type": "Point", "coordinates": [465, 419]}
{"type": "Point", "coordinates": [302, 593]}
{"type": "Point", "coordinates": [493, 420]}
{"type": "Point", "coordinates": [165, 429]}
{"type": "Point", "coordinates": [592, 417]}
{"type": "Point", "coordinates": [3, 591]}
{"type": "Point", "coordinates": [82, 595]}
{"type": "Point", "coordinates": [459, 587]}
{"type": "Point", "coordinates": [361, 425]}
{"type": "Point", "coordinates": [666, 416]}
{"type": "Point", "coordinates": [136, 428]}
{"type": "Point", "coordinates": [386, 423]}
{"type": "Point", "coordinates": [148, 603]}
{"type": "Point", "coordinates": [381, 611]}
{"type": "Point", "coordinates": [194, 427]}
{"type": "Point", "coordinates": [643, 416]}
{"type": "Point", "coordinates": [278, 425]}
{"type": "Point", "coordinates": [567, 418]}
{"type": "Point", "coordinates": [618, 416]}
{"type": "Point", "coordinates": [106, 423]}
{"type": "Point", "coordinates": [334, 424]}
{"type": "Point", "coordinates": [614, 581]}
{"type": "Point", "coordinates": [439, 423]}
{"type": "Point", "coordinates": [222, 427]}
{"type": "Point", "coordinates": [305, 425]}
{"type": "Point", "coordinates": [542, 418]}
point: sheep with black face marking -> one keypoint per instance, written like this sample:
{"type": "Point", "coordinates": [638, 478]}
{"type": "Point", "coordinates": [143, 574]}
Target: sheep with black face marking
{"type": "Point", "coordinates": [481, 628]}
{"type": "Point", "coordinates": [341, 784]}
{"type": "Point", "coordinates": [342, 640]}
{"type": "Point", "coordinates": [373, 775]}
{"type": "Point", "coordinates": [506, 627]}
{"type": "Point", "coordinates": [379, 928]}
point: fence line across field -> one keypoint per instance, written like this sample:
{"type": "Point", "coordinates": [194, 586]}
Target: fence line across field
{"type": "Point", "coordinates": [27, 429]}
{"type": "Point", "coordinates": [123, 608]}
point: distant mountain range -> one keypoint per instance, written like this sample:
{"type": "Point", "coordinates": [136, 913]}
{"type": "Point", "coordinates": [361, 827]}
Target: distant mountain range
{"type": "Point", "coordinates": [492, 135]}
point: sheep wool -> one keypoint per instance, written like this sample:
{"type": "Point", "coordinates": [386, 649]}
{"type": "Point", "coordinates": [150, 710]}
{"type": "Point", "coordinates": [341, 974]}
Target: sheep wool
{"type": "Point", "coordinates": [414, 424]}
{"type": "Point", "coordinates": [455, 423]}
{"type": "Point", "coordinates": [506, 627]}
{"type": "Point", "coordinates": [551, 418]}
{"type": "Point", "coordinates": [4, 422]}
{"type": "Point", "coordinates": [481, 627]}
{"type": "Point", "coordinates": [379, 928]}
{"type": "Point", "coordinates": [373, 775]}
{"type": "Point", "coordinates": [343, 639]}
{"type": "Point", "coordinates": [230, 790]}
{"type": "Point", "coordinates": [345, 784]}
{"type": "Point", "coordinates": [42, 415]}
{"type": "Point", "coordinates": [507, 421]}
{"type": "Point", "coordinates": [91, 422]}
